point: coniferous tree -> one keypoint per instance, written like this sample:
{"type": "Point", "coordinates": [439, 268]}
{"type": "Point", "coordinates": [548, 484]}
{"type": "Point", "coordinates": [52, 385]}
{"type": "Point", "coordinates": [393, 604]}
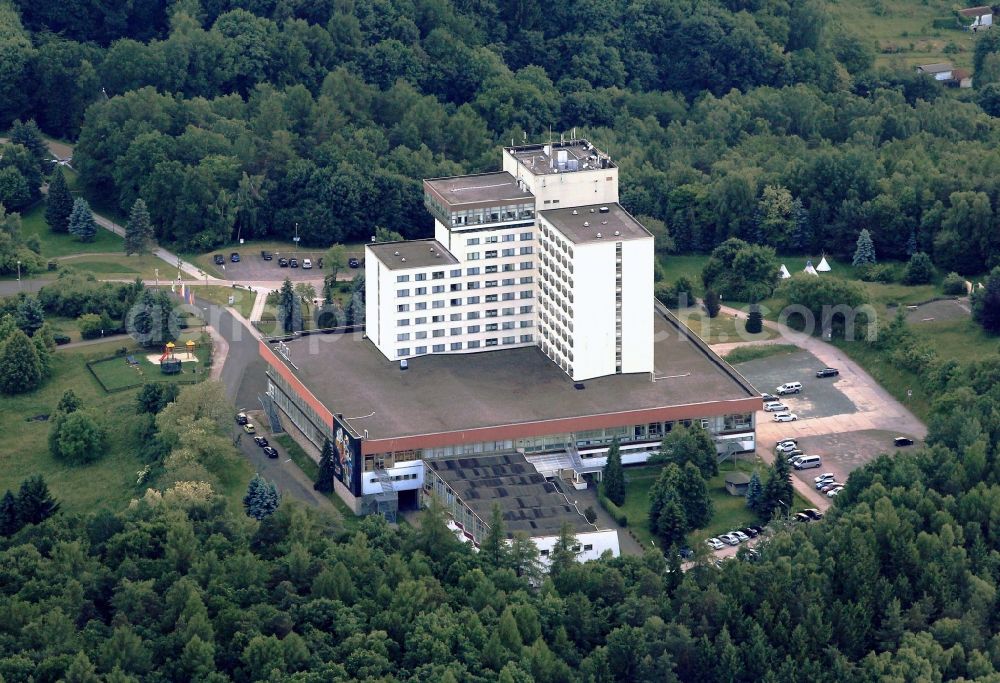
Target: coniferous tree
{"type": "Point", "coordinates": [672, 524]}
{"type": "Point", "coordinates": [262, 498]}
{"type": "Point", "coordinates": [564, 551]}
{"type": "Point", "coordinates": [755, 493]}
{"type": "Point", "coordinates": [693, 496]}
{"type": "Point", "coordinates": [919, 269]}
{"type": "Point", "coordinates": [9, 521]}
{"type": "Point", "coordinates": [138, 229]}
{"type": "Point", "coordinates": [20, 367]}
{"type": "Point", "coordinates": [494, 545]}
{"type": "Point", "coordinates": [30, 315]}
{"type": "Point", "coordinates": [34, 503]}
{"type": "Point", "coordinates": [81, 221]}
{"type": "Point", "coordinates": [755, 320]}
{"type": "Point", "coordinates": [613, 478]}
{"type": "Point", "coordinates": [712, 305]}
{"type": "Point", "coordinates": [777, 487]}
{"type": "Point", "coordinates": [864, 252]}
{"type": "Point", "coordinates": [327, 467]}
{"type": "Point", "coordinates": [286, 307]}
{"type": "Point", "coordinates": [58, 203]}
{"type": "Point", "coordinates": [911, 244]}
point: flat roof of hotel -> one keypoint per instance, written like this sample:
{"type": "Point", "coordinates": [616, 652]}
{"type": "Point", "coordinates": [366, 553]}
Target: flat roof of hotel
{"type": "Point", "coordinates": [452, 392]}
{"type": "Point", "coordinates": [580, 156]}
{"type": "Point", "coordinates": [412, 254]}
{"type": "Point", "coordinates": [527, 501]}
{"type": "Point", "coordinates": [583, 224]}
{"type": "Point", "coordinates": [483, 188]}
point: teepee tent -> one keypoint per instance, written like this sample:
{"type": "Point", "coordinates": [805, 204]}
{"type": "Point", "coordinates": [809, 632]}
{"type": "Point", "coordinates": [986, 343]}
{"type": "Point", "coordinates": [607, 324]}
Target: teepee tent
{"type": "Point", "coordinates": [784, 272]}
{"type": "Point", "coordinates": [809, 268]}
{"type": "Point", "coordinates": [823, 266]}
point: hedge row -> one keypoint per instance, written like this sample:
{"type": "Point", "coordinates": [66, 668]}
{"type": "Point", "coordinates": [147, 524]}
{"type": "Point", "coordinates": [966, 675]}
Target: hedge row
{"type": "Point", "coordinates": [616, 512]}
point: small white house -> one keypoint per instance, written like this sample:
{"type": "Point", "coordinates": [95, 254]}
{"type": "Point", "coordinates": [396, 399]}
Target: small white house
{"type": "Point", "coordinates": [980, 17]}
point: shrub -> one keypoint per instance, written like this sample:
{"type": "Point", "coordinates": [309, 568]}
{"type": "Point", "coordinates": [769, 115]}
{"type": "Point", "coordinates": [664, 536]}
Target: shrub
{"type": "Point", "coordinates": [874, 272]}
{"type": "Point", "coordinates": [676, 294]}
{"type": "Point", "coordinates": [954, 284]}
{"type": "Point", "coordinates": [919, 270]}
{"type": "Point", "coordinates": [93, 326]}
{"type": "Point", "coordinates": [61, 339]}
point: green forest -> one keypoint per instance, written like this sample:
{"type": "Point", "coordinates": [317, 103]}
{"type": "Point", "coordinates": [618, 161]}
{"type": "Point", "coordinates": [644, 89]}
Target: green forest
{"type": "Point", "coordinates": [761, 120]}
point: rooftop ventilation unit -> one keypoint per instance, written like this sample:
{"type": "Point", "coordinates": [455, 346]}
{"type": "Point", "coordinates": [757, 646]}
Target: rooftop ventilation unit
{"type": "Point", "coordinates": [599, 235]}
{"type": "Point", "coordinates": [586, 224]}
{"type": "Point", "coordinates": [403, 364]}
{"type": "Point", "coordinates": [403, 259]}
{"type": "Point", "coordinates": [617, 233]}
{"type": "Point", "coordinates": [592, 210]}
{"type": "Point", "coordinates": [604, 222]}
{"type": "Point", "coordinates": [396, 254]}
{"type": "Point", "coordinates": [604, 209]}
{"type": "Point", "coordinates": [574, 212]}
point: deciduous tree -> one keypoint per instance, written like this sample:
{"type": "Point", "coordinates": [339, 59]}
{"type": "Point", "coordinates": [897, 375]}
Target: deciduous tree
{"type": "Point", "coordinates": [20, 367]}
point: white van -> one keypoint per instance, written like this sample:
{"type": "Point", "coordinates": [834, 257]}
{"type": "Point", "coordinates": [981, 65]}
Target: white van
{"type": "Point", "coordinates": [307, 263]}
{"type": "Point", "coordinates": [808, 461]}
{"type": "Point", "coordinates": [789, 388]}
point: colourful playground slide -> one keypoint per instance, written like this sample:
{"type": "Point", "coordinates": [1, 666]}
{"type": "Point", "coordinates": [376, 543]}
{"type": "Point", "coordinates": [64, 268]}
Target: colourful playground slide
{"type": "Point", "coordinates": [164, 356]}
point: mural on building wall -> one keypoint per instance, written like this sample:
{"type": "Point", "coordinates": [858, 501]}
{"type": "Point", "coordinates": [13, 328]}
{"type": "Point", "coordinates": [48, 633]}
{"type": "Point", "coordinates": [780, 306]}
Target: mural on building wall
{"type": "Point", "coordinates": [348, 460]}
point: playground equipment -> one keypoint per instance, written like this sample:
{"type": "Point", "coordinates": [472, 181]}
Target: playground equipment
{"type": "Point", "coordinates": [168, 352]}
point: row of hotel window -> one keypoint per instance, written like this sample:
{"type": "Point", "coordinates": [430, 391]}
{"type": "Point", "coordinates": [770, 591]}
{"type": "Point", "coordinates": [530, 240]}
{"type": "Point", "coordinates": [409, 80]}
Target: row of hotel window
{"type": "Point", "coordinates": [459, 346]}
{"type": "Point", "coordinates": [440, 303]}
{"type": "Point", "coordinates": [475, 270]}
{"type": "Point", "coordinates": [471, 315]}
{"type": "Point", "coordinates": [492, 253]}
{"type": "Point", "coordinates": [471, 329]}
{"type": "Point", "coordinates": [494, 214]}
{"type": "Point", "coordinates": [457, 287]}
{"type": "Point", "coordinates": [493, 239]}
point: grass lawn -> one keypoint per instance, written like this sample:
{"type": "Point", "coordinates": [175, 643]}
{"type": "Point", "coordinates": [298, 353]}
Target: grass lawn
{"type": "Point", "coordinates": [896, 380]}
{"type": "Point", "coordinates": [720, 329]}
{"type": "Point", "coordinates": [116, 373]}
{"type": "Point", "coordinates": [744, 354]}
{"type": "Point", "coordinates": [55, 244]}
{"type": "Point", "coordinates": [243, 299]}
{"type": "Point", "coordinates": [902, 31]}
{"type": "Point", "coordinates": [730, 512]}
{"type": "Point", "coordinates": [107, 266]}
{"type": "Point", "coordinates": [109, 482]}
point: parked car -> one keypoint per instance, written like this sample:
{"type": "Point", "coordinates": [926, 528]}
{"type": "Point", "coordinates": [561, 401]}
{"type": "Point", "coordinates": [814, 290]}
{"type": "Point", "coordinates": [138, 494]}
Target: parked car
{"type": "Point", "coordinates": [282, 262]}
{"type": "Point", "coordinates": [271, 452]}
{"type": "Point", "coordinates": [807, 462]}
{"type": "Point", "coordinates": [787, 447]}
{"type": "Point", "coordinates": [260, 441]}
{"type": "Point", "coordinates": [686, 552]}
{"type": "Point", "coordinates": [833, 493]}
{"type": "Point", "coordinates": [813, 513]}
{"type": "Point", "coordinates": [758, 529]}
{"type": "Point", "coordinates": [800, 517]}
{"type": "Point", "coordinates": [234, 257]}
{"type": "Point", "coordinates": [266, 255]}
{"type": "Point", "coordinates": [901, 441]}
{"type": "Point", "coordinates": [750, 555]}
{"type": "Point", "coordinates": [714, 543]}
{"type": "Point", "coordinates": [775, 407]}
{"type": "Point", "coordinates": [740, 535]}
{"type": "Point", "coordinates": [767, 398]}
{"type": "Point", "coordinates": [785, 417]}
{"type": "Point", "coordinates": [783, 441]}
{"type": "Point", "coordinates": [789, 388]}
{"type": "Point", "coordinates": [730, 539]}
{"type": "Point", "coordinates": [293, 263]}
{"type": "Point", "coordinates": [241, 418]}
{"type": "Point", "coordinates": [826, 476]}
{"type": "Point", "coordinates": [750, 531]}
{"type": "Point", "coordinates": [792, 456]}
{"type": "Point", "coordinates": [307, 264]}
{"type": "Point", "coordinates": [827, 372]}
{"type": "Point", "coordinates": [353, 263]}
{"type": "Point", "coordinates": [249, 428]}
{"type": "Point", "coordinates": [828, 486]}
{"type": "Point", "coordinates": [219, 259]}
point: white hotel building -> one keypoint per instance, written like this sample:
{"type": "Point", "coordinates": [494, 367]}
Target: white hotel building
{"type": "Point", "coordinates": [539, 254]}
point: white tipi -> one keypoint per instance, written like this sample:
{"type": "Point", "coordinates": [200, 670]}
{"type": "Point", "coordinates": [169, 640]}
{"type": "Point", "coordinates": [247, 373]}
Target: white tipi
{"type": "Point", "coordinates": [823, 266]}
{"type": "Point", "coordinates": [809, 270]}
{"type": "Point", "coordinates": [784, 272]}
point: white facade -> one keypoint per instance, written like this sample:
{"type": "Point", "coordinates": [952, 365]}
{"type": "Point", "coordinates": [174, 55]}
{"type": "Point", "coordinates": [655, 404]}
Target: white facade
{"type": "Point", "coordinates": [500, 274]}
{"type": "Point", "coordinates": [591, 545]}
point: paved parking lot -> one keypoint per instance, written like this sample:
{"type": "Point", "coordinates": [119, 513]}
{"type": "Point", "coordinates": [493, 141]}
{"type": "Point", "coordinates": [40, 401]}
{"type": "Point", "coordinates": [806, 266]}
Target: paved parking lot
{"type": "Point", "coordinates": [253, 268]}
{"type": "Point", "coordinates": [847, 419]}
{"type": "Point", "coordinates": [820, 397]}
